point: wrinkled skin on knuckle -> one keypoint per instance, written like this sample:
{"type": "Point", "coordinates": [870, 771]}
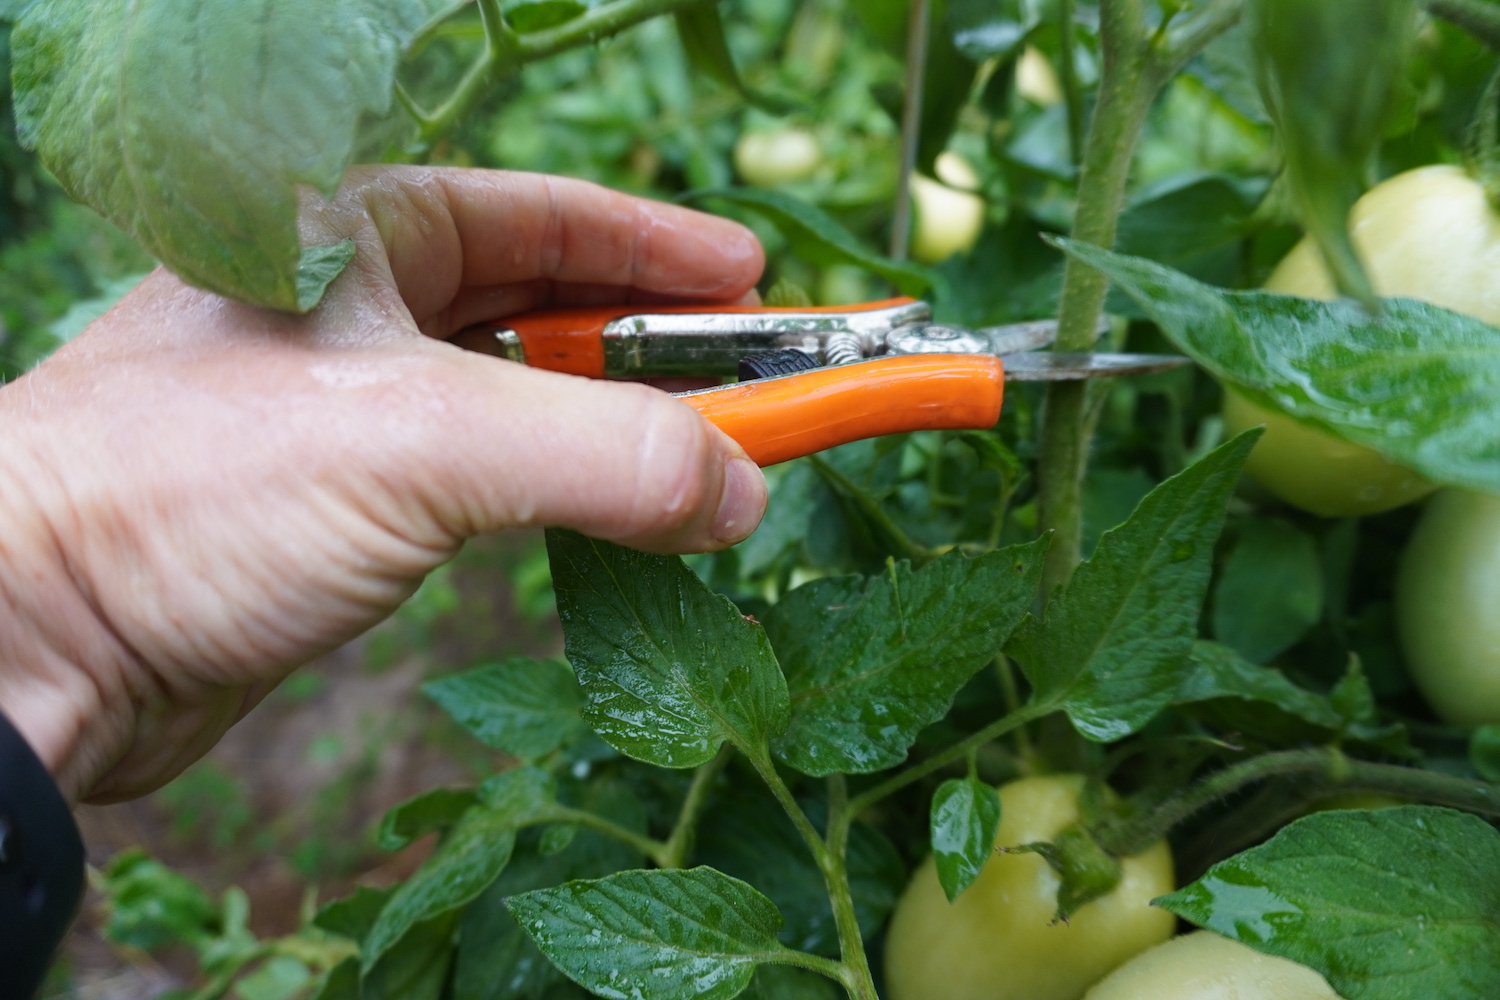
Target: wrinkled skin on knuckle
{"type": "Point", "coordinates": [677, 471]}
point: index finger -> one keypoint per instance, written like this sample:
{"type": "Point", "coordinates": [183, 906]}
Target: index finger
{"type": "Point", "coordinates": [447, 229]}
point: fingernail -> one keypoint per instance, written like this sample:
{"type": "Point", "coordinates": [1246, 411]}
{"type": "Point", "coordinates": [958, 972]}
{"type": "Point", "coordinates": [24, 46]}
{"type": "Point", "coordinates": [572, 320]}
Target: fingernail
{"type": "Point", "coordinates": [742, 503]}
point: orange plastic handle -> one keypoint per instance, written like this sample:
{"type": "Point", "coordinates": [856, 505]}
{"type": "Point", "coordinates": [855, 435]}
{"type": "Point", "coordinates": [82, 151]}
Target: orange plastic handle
{"type": "Point", "coordinates": [572, 340]}
{"type": "Point", "coordinates": [779, 419]}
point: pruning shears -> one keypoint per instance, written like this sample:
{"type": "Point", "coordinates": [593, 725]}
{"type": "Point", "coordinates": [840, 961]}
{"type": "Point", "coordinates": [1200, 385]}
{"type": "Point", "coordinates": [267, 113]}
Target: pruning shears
{"type": "Point", "coordinates": [809, 378]}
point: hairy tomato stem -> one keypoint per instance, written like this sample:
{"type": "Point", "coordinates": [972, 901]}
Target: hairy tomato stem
{"type": "Point", "coordinates": [1334, 770]}
{"type": "Point", "coordinates": [506, 51]}
{"type": "Point", "coordinates": [1136, 67]}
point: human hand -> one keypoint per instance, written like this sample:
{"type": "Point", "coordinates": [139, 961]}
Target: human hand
{"type": "Point", "coordinates": [200, 495]}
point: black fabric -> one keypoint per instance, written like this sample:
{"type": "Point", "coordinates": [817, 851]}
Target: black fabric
{"type": "Point", "coordinates": [41, 867]}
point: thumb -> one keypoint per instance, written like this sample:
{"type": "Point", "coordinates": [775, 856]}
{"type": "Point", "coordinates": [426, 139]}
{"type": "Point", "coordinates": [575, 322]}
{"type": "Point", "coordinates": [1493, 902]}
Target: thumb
{"type": "Point", "coordinates": [615, 460]}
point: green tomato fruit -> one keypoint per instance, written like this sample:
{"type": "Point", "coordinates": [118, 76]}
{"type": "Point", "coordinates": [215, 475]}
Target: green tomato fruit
{"type": "Point", "coordinates": [997, 940]}
{"type": "Point", "coordinates": [1205, 966]}
{"type": "Point", "coordinates": [1427, 234]}
{"type": "Point", "coordinates": [766, 159]}
{"type": "Point", "coordinates": [1447, 596]}
{"type": "Point", "coordinates": [949, 215]}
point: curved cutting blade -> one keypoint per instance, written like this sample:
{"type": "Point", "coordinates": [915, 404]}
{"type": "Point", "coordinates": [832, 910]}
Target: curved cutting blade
{"type": "Point", "coordinates": [1050, 366]}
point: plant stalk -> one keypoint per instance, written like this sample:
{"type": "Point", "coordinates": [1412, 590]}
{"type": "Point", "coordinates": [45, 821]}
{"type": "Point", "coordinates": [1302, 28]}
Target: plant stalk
{"type": "Point", "coordinates": [864, 800]}
{"type": "Point", "coordinates": [911, 123]}
{"type": "Point", "coordinates": [857, 980]}
{"type": "Point", "coordinates": [652, 848]}
{"type": "Point", "coordinates": [506, 52]}
{"type": "Point", "coordinates": [1136, 66]}
{"type": "Point", "coordinates": [1337, 773]}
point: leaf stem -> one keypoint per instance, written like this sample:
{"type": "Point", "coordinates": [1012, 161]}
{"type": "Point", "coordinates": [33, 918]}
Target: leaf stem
{"type": "Point", "coordinates": [680, 843]}
{"type": "Point", "coordinates": [856, 965]}
{"type": "Point", "coordinates": [917, 30]}
{"type": "Point", "coordinates": [836, 971]}
{"type": "Point", "coordinates": [904, 547]}
{"type": "Point", "coordinates": [1336, 771]}
{"type": "Point", "coordinates": [917, 772]}
{"type": "Point", "coordinates": [654, 849]}
{"type": "Point", "coordinates": [506, 51]}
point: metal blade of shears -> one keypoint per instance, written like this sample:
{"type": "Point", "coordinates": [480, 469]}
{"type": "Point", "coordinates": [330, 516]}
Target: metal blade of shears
{"type": "Point", "coordinates": [1051, 366]}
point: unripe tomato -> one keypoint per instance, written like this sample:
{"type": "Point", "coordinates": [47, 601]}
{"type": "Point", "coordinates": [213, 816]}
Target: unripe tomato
{"type": "Point", "coordinates": [1036, 80]}
{"type": "Point", "coordinates": [949, 215]}
{"type": "Point", "coordinates": [1448, 606]}
{"type": "Point", "coordinates": [997, 941]}
{"type": "Point", "coordinates": [1426, 234]}
{"type": "Point", "coordinates": [766, 159]}
{"type": "Point", "coordinates": [1316, 471]}
{"type": "Point", "coordinates": [1205, 966]}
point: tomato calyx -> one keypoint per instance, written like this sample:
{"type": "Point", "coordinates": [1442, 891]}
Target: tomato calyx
{"type": "Point", "coordinates": [1087, 871]}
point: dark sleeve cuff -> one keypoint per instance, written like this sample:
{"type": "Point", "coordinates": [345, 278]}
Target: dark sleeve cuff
{"type": "Point", "coordinates": [41, 867]}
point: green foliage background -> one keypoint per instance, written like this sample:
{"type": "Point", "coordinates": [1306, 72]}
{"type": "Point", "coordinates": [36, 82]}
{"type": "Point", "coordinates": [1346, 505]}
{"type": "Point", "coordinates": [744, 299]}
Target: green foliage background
{"type": "Point", "coordinates": [1165, 659]}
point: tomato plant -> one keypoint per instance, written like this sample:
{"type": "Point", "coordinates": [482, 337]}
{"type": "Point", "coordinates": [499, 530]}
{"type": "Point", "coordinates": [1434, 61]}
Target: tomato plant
{"type": "Point", "coordinates": [772, 771]}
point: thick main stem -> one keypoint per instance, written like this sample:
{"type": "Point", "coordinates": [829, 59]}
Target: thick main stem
{"type": "Point", "coordinates": [1133, 72]}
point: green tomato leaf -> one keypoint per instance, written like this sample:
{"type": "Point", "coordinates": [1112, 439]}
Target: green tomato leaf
{"type": "Point", "coordinates": [353, 916]}
{"type": "Point", "coordinates": [702, 33]}
{"type": "Point", "coordinates": [316, 269]}
{"type": "Point", "coordinates": [433, 810]}
{"type": "Point", "coordinates": [1416, 383]}
{"type": "Point", "coordinates": [1226, 66]}
{"type": "Point", "coordinates": [986, 29]}
{"type": "Point", "coordinates": [1195, 222]}
{"type": "Point", "coordinates": [1484, 751]}
{"type": "Point", "coordinates": [965, 816]}
{"type": "Point", "coordinates": [539, 15]}
{"type": "Point", "coordinates": [526, 708]}
{"type": "Point", "coordinates": [1221, 675]}
{"type": "Point", "coordinates": [872, 660]}
{"type": "Point", "coordinates": [1238, 696]}
{"type": "Point", "coordinates": [1387, 904]}
{"type": "Point", "coordinates": [669, 669]}
{"type": "Point", "coordinates": [192, 123]}
{"type": "Point", "coordinates": [1270, 591]}
{"type": "Point", "coordinates": [496, 959]}
{"type": "Point", "coordinates": [1116, 642]}
{"type": "Point", "coordinates": [341, 983]}
{"type": "Point", "coordinates": [749, 836]}
{"type": "Point", "coordinates": [671, 935]}
{"type": "Point", "coordinates": [1328, 74]}
{"type": "Point", "coordinates": [473, 854]}
{"type": "Point", "coordinates": [150, 906]}
{"type": "Point", "coordinates": [417, 966]}
{"type": "Point", "coordinates": [279, 978]}
{"type": "Point", "coordinates": [817, 237]}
